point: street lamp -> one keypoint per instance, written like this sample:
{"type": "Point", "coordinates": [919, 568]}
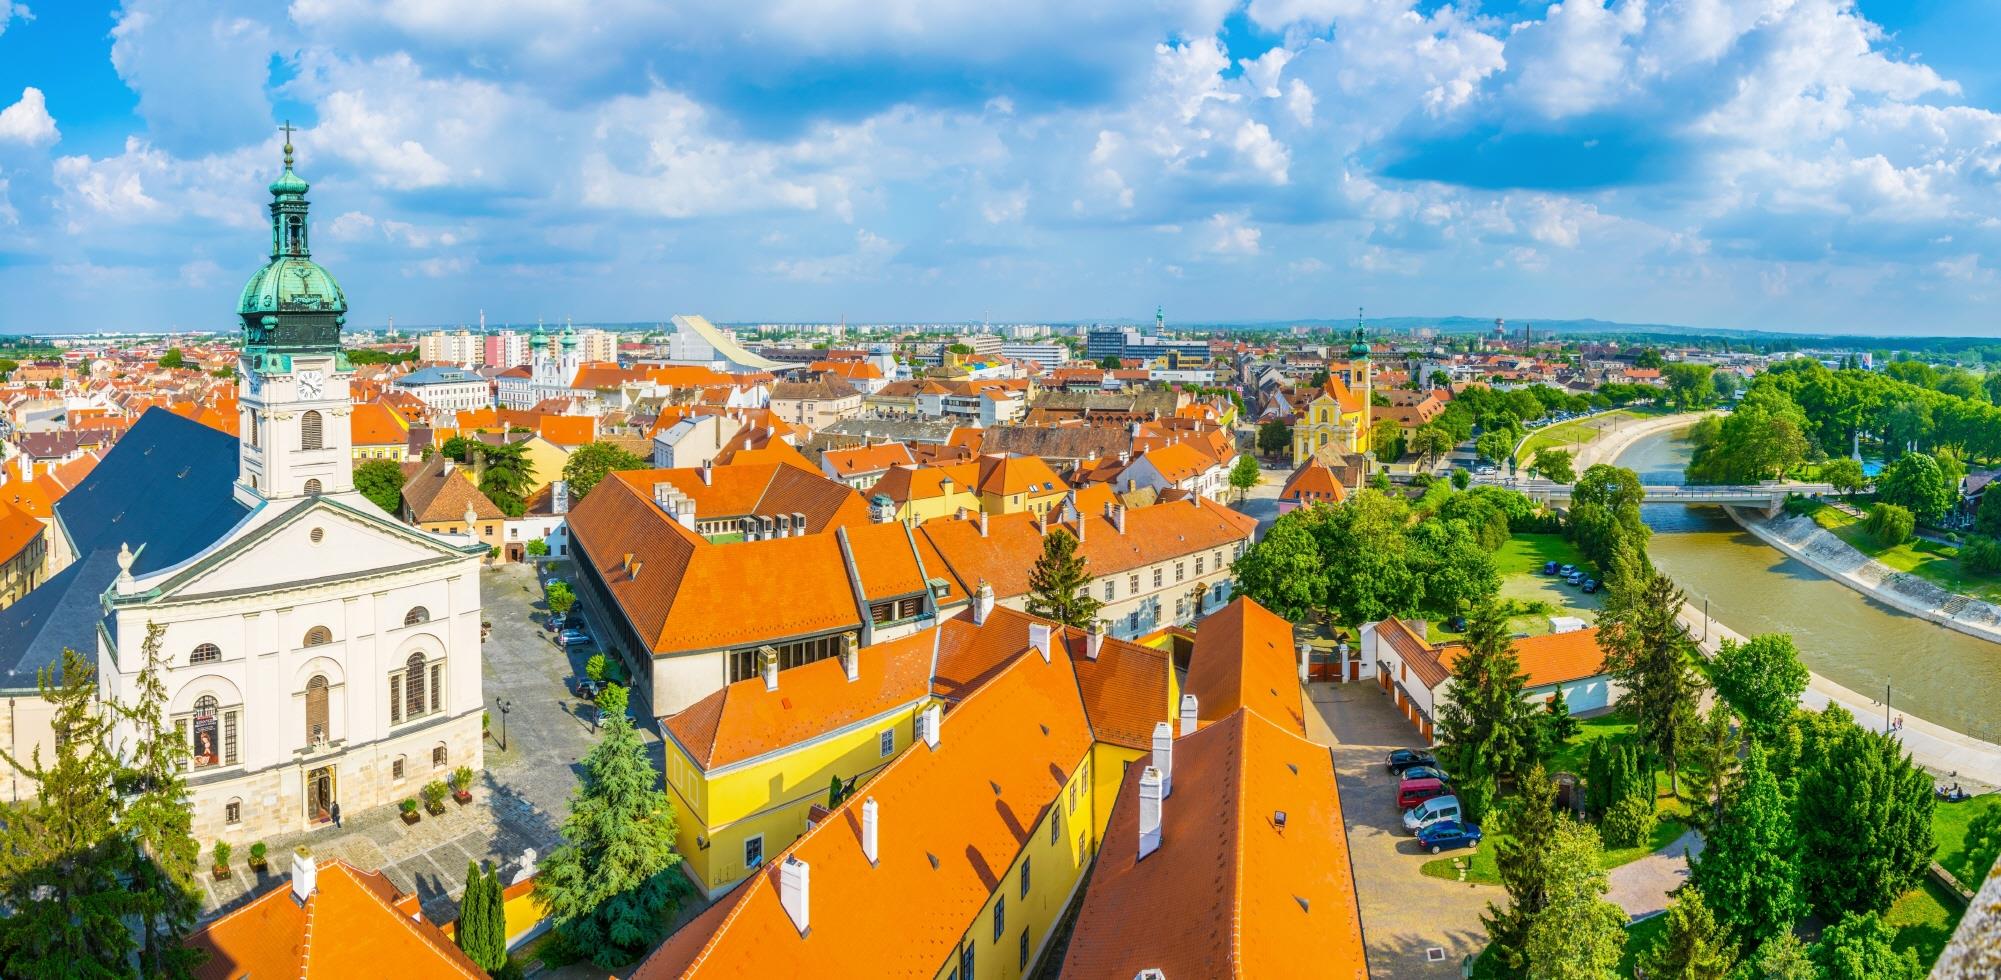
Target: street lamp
{"type": "Point", "coordinates": [505, 705]}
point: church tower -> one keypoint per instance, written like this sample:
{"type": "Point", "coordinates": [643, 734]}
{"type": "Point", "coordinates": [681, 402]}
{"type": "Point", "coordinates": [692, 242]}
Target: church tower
{"type": "Point", "coordinates": [293, 400]}
{"type": "Point", "coordinates": [1358, 357]}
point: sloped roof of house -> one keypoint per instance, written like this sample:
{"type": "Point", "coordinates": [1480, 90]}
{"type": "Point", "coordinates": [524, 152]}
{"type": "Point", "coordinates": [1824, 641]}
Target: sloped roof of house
{"type": "Point", "coordinates": [1552, 658]}
{"type": "Point", "coordinates": [1004, 557]}
{"type": "Point", "coordinates": [1244, 657]}
{"type": "Point", "coordinates": [1313, 481]}
{"type": "Point", "coordinates": [439, 493]}
{"type": "Point", "coordinates": [866, 459]}
{"type": "Point", "coordinates": [351, 926]}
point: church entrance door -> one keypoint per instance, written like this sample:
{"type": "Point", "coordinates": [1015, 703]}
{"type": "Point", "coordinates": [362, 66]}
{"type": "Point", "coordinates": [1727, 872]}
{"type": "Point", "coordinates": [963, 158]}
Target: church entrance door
{"type": "Point", "coordinates": [320, 795]}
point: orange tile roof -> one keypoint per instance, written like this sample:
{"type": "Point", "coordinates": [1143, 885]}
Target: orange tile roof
{"type": "Point", "coordinates": [741, 489]}
{"type": "Point", "coordinates": [866, 459]}
{"type": "Point", "coordinates": [1553, 658]}
{"type": "Point", "coordinates": [1004, 557]}
{"type": "Point", "coordinates": [1178, 461]}
{"type": "Point", "coordinates": [770, 452]}
{"type": "Point", "coordinates": [602, 375]}
{"type": "Point", "coordinates": [903, 484]}
{"type": "Point", "coordinates": [1313, 482]}
{"type": "Point", "coordinates": [951, 817]}
{"type": "Point", "coordinates": [18, 529]}
{"type": "Point", "coordinates": [569, 430]}
{"type": "Point", "coordinates": [1418, 653]}
{"type": "Point", "coordinates": [1230, 892]}
{"type": "Point", "coordinates": [744, 720]}
{"type": "Point", "coordinates": [1008, 475]}
{"type": "Point", "coordinates": [1244, 657]}
{"type": "Point", "coordinates": [350, 927]}
{"type": "Point", "coordinates": [376, 424]}
{"type": "Point", "coordinates": [1125, 687]}
{"type": "Point", "coordinates": [435, 494]}
{"type": "Point", "coordinates": [688, 376]}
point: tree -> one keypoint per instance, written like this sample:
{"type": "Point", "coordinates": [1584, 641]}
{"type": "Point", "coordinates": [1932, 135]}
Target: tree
{"type": "Point", "coordinates": [509, 475]}
{"type": "Point", "coordinates": [1918, 484]}
{"type": "Point", "coordinates": [1554, 464]}
{"type": "Point", "coordinates": [1762, 678]}
{"type": "Point", "coordinates": [1110, 362]}
{"type": "Point", "coordinates": [1987, 520]}
{"type": "Point", "coordinates": [482, 928]}
{"type": "Point", "coordinates": [1689, 386]}
{"type": "Point", "coordinates": [1725, 384]}
{"type": "Point", "coordinates": [61, 854]}
{"type": "Point", "coordinates": [589, 464]}
{"type": "Point", "coordinates": [1274, 437]}
{"type": "Point", "coordinates": [1646, 650]}
{"type": "Point", "coordinates": [1453, 567]}
{"type": "Point", "coordinates": [157, 822]}
{"type": "Point", "coordinates": [1559, 726]}
{"type": "Point", "coordinates": [1484, 725]}
{"type": "Point", "coordinates": [1439, 379]}
{"type": "Point", "coordinates": [1494, 446]}
{"type": "Point", "coordinates": [1605, 512]}
{"type": "Point", "coordinates": [1431, 443]}
{"type": "Point", "coordinates": [1578, 935]}
{"type": "Point", "coordinates": [1522, 858]}
{"type": "Point", "coordinates": [1365, 556]}
{"type": "Point", "coordinates": [173, 358]}
{"type": "Point", "coordinates": [1283, 572]}
{"type": "Point", "coordinates": [1695, 946]}
{"type": "Point", "coordinates": [1244, 475]}
{"type": "Point", "coordinates": [613, 885]}
{"type": "Point", "coordinates": [1890, 524]}
{"type": "Point", "coordinates": [460, 448]}
{"type": "Point", "coordinates": [1764, 437]}
{"type": "Point", "coordinates": [1059, 586]}
{"type": "Point", "coordinates": [559, 597]}
{"type": "Point", "coordinates": [1783, 957]}
{"type": "Point", "coordinates": [1846, 475]}
{"type": "Point", "coordinates": [1864, 814]}
{"type": "Point", "coordinates": [1460, 478]}
{"type": "Point", "coordinates": [1749, 867]}
{"type": "Point", "coordinates": [381, 481]}
{"type": "Point", "coordinates": [1649, 358]}
{"type": "Point", "coordinates": [1861, 946]}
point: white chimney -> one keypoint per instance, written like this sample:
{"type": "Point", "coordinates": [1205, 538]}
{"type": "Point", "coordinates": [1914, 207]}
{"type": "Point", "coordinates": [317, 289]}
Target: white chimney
{"type": "Point", "coordinates": [559, 497]}
{"type": "Point", "coordinates": [708, 476]}
{"type": "Point", "coordinates": [927, 724]}
{"type": "Point", "coordinates": [983, 524]}
{"type": "Point", "coordinates": [1080, 528]}
{"type": "Point", "coordinates": [1093, 641]}
{"type": "Point", "coordinates": [870, 825]}
{"type": "Point", "coordinates": [983, 603]}
{"type": "Point", "coordinates": [1163, 756]}
{"type": "Point", "coordinates": [1038, 637]}
{"type": "Point", "coordinates": [1187, 715]}
{"type": "Point", "coordinates": [795, 891]}
{"type": "Point", "coordinates": [767, 664]}
{"type": "Point", "coordinates": [1152, 790]}
{"type": "Point", "coordinates": [851, 660]}
{"type": "Point", "coordinates": [1119, 517]}
{"type": "Point", "coordinates": [305, 875]}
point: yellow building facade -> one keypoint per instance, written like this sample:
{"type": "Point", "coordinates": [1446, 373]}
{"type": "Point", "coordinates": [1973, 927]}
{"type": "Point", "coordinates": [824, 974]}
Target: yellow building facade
{"type": "Point", "coordinates": [1338, 419]}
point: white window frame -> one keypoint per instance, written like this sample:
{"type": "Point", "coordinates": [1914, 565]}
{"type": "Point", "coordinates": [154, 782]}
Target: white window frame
{"type": "Point", "coordinates": [747, 865]}
{"type": "Point", "coordinates": [885, 743]}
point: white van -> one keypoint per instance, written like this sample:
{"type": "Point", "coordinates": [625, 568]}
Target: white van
{"type": "Point", "coordinates": [1430, 812]}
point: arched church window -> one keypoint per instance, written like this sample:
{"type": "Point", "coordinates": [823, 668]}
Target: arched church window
{"type": "Point", "coordinates": [318, 636]}
{"type": "Point", "coordinates": [313, 486]}
{"type": "Point", "coordinates": [417, 614]}
{"type": "Point", "coordinates": [295, 233]}
{"type": "Point", "coordinates": [316, 710]}
{"type": "Point", "coordinates": [413, 686]}
{"type": "Point", "coordinates": [310, 431]}
{"type": "Point", "coordinates": [207, 653]}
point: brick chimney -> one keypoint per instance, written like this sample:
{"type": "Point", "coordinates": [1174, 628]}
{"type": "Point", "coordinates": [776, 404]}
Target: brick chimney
{"type": "Point", "coordinates": [795, 892]}
{"type": "Point", "coordinates": [1163, 756]}
{"type": "Point", "coordinates": [1152, 791]}
{"type": "Point", "coordinates": [1188, 714]}
{"type": "Point", "coordinates": [870, 827]}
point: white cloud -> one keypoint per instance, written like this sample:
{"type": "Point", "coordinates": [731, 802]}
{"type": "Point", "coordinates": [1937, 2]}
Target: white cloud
{"type": "Point", "coordinates": [1230, 235]}
{"type": "Point", "coordinates": [199, 70]}
{"type": "Point", "coordinates": [871, 252]}
{"type": "Point", "coordinates": [27, 121]}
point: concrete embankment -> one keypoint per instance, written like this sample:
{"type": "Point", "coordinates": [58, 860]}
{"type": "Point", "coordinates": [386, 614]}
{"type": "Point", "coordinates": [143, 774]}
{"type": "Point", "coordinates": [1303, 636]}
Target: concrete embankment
{"type": "Point", "coordinates": [1617, 439]}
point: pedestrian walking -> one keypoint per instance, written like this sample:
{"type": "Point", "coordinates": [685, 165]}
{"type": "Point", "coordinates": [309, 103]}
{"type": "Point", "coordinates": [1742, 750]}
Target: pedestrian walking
{"type": "Point", "coordinates": [335, 813]}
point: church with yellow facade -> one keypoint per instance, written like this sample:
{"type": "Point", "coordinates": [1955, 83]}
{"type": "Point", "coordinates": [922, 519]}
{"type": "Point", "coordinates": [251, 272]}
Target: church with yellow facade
{"type": "Point", "coordinates": [1336, 422]}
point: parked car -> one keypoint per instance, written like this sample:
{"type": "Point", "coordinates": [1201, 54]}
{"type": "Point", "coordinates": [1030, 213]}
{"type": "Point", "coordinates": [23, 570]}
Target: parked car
{"type": "Point", "coordinates": [1447, 834]}
{"type": "Point", "coordinates": [558, 622]}
{"type": "Point", "coordinates": [1549, 568]}
{"type": "Point", "coordinates": [1426, 772]}
{"type": "Point", "coordinates": [1402, 759]}
{"type": "Point", "coordinates": [1574, 578]}
{"type": "Point", "coordinates": [587, 689]}
{"type": "Point", "coordinates": [1456, 624]}
{"type": "Point", "coordinates": [1435, 810]}
{"type": "Point", "coordinates": [1566, 570]}
{"type": "Point", "coordinates": [573, 638]}
{"type": "Point", "coordinates": [1411, 792]}
{"type": "Point", "coordinates": [1590, 585]}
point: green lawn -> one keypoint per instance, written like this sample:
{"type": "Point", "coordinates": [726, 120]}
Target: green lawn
{"type": "Point", "coordinates": [1524, 554]}
{"type": "Point", "coordinates": [1571, 435]}
{"type": "Point", "coordinates": [1949, 825]}
{"type": "Point", "coordinates": [1924, 919]}
{"type": "Point", "coordinates": [1519, 563]}
{"type": "Point", "coordinates": [1935, 563]}
{"type": "Point", "coordinates": [1639, 936]}
{"type": "Point", "coordinates": [1484, 871]}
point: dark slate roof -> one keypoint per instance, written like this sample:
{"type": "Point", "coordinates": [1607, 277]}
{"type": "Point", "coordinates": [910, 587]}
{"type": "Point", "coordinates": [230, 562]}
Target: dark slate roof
{"type": "Point", "coordinates": [167, 486]}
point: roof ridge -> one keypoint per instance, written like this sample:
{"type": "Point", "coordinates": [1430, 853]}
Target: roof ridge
{"type": "Point", "coordinates": [408, 923]}
{"type": "Point", "coordinates": [1239, 790]}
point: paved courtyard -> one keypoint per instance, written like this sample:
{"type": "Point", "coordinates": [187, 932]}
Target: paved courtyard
{"type": "Point", "coordinates": [1405, 915]}
{"type": "Point", "coordinates": [519, 801]}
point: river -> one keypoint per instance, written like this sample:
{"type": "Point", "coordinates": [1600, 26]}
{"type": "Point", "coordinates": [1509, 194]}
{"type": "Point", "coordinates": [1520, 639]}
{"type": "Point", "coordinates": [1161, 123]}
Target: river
{"type": "Point", "coordinates": [1941, 675]}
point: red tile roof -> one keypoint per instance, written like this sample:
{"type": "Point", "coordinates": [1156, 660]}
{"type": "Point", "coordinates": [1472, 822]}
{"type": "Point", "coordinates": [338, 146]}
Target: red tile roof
{"type": "Point", "coordinates": [1244, 657]}
{"type": "Point", "coordinates": [350, 927]}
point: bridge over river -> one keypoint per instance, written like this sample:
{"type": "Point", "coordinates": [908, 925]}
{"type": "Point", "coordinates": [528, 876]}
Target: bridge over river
{"type": "Point", "coordinates": [1771, 494]}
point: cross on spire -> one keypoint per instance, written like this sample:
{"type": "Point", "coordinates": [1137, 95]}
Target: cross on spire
{"type": "Point", "coordinates": [288, 130]}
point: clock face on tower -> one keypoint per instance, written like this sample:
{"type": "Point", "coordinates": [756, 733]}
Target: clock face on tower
{"type": "Point", "coordinates": [311, 384]}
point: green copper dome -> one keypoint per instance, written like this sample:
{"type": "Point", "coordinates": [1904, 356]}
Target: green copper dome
{"type": "Point", "coordinates": [1360, 348]}
{"type": "Point", "coordinates": [292, 283]}
{"type": "Point", "coordinates": [291, 303]}
{"type": "Point", "coordinates": [289, 183]}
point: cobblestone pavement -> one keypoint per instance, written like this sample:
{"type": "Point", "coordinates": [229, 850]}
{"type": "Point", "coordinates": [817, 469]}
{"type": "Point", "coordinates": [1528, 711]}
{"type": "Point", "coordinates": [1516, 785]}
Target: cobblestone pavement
{"type": "Point", "coordinates": [519, 801]}
{"type": "Point", "coordinates": [1407, 918]}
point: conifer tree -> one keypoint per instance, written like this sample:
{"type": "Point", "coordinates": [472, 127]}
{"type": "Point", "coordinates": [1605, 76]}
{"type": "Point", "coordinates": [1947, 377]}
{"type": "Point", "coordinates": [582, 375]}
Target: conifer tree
{"type": "Point", "coordinates": [158, 822]}
{"type": "Point", "coordinates": [612, 885]}
{"type": "Point", "coordinates": [1484, 725]}
{"type": "Point", "coordinates": [1577, 935]}
{"type": "Point", "coordinates": [470, 933]}
{"type": "Point", "coordinates": [1647, 651]}
{"type": "Point", "coordinates": [1864, 815]}
{"type": "Point", "coordinates": [1711, 751]}
{"type": "Point", "coordinates": [1861, 946]}
{"type": "Point", "coordinates": [1695, 946]}
{"type": "Point", "coordinates": [1059, 586]}
{"type": "Point", "coordinates": [1749, 868]}
{"type": "Point", "coordinates": [1522, 858]}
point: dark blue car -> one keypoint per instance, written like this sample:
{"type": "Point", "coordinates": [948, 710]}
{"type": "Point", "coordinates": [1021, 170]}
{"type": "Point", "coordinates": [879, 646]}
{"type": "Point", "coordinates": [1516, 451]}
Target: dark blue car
{"type": "Point", "coordinates": [1447, 834]}
{"type": "Point", "coordinates": [1401, 759]}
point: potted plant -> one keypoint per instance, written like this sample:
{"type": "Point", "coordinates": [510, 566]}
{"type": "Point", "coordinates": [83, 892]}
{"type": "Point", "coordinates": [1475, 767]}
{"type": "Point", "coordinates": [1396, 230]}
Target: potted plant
{"type": "Point", "coordinates": [409, 808]}
{"type": "Point", "coordinates": [462, 784]}
{"type": "Point", "coordinates": [434, 797]}
{"type": "Point", "coordinates": [257, 852]}
{"type": "Point", "coordinates": [221, 859]}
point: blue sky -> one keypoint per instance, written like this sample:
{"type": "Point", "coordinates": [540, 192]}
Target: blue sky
{"type": "Point", "coordinates": [1778, 164]}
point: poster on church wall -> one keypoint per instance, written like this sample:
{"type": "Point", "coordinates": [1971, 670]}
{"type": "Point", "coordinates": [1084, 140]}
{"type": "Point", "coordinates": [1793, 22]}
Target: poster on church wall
{"type": "Point", "coordinates": [207, 747]}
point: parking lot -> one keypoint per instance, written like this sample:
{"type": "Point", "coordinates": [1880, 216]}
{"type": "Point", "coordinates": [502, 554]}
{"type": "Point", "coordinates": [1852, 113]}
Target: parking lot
{"type": "Point", "coordinates": [1414, 926]}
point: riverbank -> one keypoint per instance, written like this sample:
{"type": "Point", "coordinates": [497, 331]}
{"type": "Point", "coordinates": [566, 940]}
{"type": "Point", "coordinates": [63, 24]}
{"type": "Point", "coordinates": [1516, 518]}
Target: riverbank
{"type": "Point", "coordinates": [1949, 755]}
{"type": "Point", "coordinates": [1615, 440]}
{"type": "Point", "coordinates": [1804, 540]}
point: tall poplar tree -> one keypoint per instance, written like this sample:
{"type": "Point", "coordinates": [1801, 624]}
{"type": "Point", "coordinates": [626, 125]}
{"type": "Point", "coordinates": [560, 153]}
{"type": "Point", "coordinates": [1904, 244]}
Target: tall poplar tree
{"type": "Point", "coordinates": [1059, 586]}
{"type": "Point", "coordinates": [612, 885]}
